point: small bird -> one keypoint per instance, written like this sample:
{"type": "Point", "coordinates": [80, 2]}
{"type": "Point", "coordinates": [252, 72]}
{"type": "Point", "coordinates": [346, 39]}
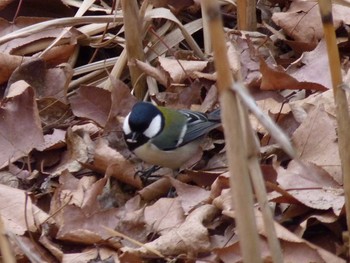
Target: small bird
{"type": "Point", "coordinates": [166, 137]}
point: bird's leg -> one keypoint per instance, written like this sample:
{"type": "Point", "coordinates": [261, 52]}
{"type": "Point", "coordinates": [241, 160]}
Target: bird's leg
{"type": "Point", "coordinates": [145, 175]}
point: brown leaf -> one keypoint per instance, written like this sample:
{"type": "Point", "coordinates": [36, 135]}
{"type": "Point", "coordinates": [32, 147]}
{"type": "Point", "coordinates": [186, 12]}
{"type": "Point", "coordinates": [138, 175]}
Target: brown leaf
{"type": "Point", "coordinates": [190, 196]}
{"type": "Point", "coordinates": [277, 79]}
{"type": "Point", "coordinates": [81, 218]}
{"type": "Point", "coordinates": [20, 126]}
{"type": "Point", "coordinates": [179, 70]}
{"type": "Point", "coordinates": [154, 72]}
{"type": "Point", "coordinates": [31, 249]}
{"type": "Point", "coordinates": [290, 243]}
{"type": "Point", "coordinates": [316, 141]}
{"type": "Point", "coordinates": [300, 47]}
{"type": "Point", "coordinates": [54, 113]}
{"type": "Point", "coordinates": [192, 236]}
{"type": "Point", "coordinates": [14, 219]}
{"type": "Point", "coordinates": [18, 45]}
{"type": "Point", "coordinates": [91, 103]}
{"type": "Point", "coordinates": [312, 186]}
{"type": "Point", "coordinates": [86, 229]}
{"type": "Point", "coordinates": [46, 82]}
{"type": "Point", "coordinates": [78, 148]}
{"type": "Point", "coordinates": [302, 21]}
{"type": "Point", "coordinates": [313, 67]}
{"type": "Point", "coordinates": [55, 140]}
{"type": "Point", "coordinates": [155, 190]}
{"type": "Point", "coordinates": [232, 253]}
{"type": "Point", "coordinates": [164, 215]}
{"type": "Point", "coordinates": [114, 164]}
{"type": "Point", "coordinates": [122, 102]}
{"type": "Point", "coordinates": [101, 254]}
{"type": "Point", "coordinates": [8, 63]}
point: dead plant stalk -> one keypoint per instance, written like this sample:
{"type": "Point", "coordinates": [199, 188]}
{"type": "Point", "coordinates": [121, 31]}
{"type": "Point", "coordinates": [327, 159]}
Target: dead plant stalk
{"type": "Point", "coordinates": [134, 47]}
{"type": "Point", "coordinates": [233, 123]}
{"type": "Point", "coordinates": [246, 15]}
{"type": "Point", "coordinates": [340, 99]}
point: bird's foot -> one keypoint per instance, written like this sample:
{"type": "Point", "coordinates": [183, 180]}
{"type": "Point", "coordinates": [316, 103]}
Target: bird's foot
{"type": "Point", "coordinates": [145, 175]}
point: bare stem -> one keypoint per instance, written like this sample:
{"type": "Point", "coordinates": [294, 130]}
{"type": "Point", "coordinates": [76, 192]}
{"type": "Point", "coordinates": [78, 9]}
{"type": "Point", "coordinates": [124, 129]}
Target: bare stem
{"type": "Point", "coordinates": [340, 99]}
{"type": "Point", "coordinates": [233, 122]}
{"type": "Point", "coordinates": [134, 47]}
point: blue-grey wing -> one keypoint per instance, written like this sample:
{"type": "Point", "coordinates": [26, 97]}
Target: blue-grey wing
{"type": "Point", "coordinates": [199, 124]}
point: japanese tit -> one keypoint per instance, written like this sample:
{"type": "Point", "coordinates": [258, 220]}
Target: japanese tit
{"type": "Point", "coordinates": [166, 137]}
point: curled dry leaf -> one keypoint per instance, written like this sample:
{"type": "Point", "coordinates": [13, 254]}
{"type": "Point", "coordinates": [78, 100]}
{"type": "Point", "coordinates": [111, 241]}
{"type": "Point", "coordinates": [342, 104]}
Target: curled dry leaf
{"type": "Point", "coordinates": [316, 141]}
{"type": "Point", "coordinates": [79, 148]}
{"type": "Point", "coordinates": [8, 63]}
{"type": "Point", "coordinates": [30, 249]}
{"type": "Point", "coordinates": [54, 113]}
{"type": "Point", "coordinates": [55, 140]}
{"type": "Point", "coordinates": [86, 229]}
{"type": "Point", "coordinates": [278, 79]}
{"type": "Point", "coordinates": [81, 218]}
{"type": "Point", "coordinates": [312, 186]}
{"type": "Point", "coordinates": [91, 103]}
{"type": "Point", "coordinates": [190, 196]}
{"type": "Point", "coordinates": [156, 189]}
{"type": "Point", "coordinates": [14, 219]}
{"type": "Point", "coordinates": [20, 126]}
{"type": "Point", "coordinates": [164, 215]}
{"type": "Point", "coordinates": [312, 67]}
{"type": "Point", "coordinates": [114, 164]}
{"type": "Point", "coordinates": [289, 243]}
{"type": "Point", "coordinates": [249, 62]}
{"type": "Point", "coordinates": [179, 70]}
{"type": "Point", "coordinates": [47, 82]}
{"type": "Point", "coordinates": [156, 73]}
{"type": "Point", "coordinates": [191, 236]}
{"type": "Point", "coordinates": [302, 21]}
{"type": "Point", "coordinates": [101, 254]}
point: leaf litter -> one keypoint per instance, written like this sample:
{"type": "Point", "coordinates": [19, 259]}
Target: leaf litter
{"type": "Point", "coordinates": [69, 191]}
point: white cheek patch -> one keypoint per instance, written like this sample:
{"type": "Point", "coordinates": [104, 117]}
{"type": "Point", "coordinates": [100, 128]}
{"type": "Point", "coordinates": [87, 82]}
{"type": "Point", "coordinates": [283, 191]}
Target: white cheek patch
{"type": "Point", "coordinates": [126, 126]}
{"type": "Point", "coordinates": [154, 127]}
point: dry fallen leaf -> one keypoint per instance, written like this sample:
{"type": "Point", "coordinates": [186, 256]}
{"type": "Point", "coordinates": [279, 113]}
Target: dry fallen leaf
{"type": "Point", "coordinates": [20, 126]}
{"type": "Point", "coordinates": [316, 141]}
{"type": "Point", "coordinates": [191, 236]}
{"type": "Point", "coordinates": [312, 186]}
{"type": "Point", "coordinates": [179, 70]}
{"type": "Point", "coordinates": [14, 219]}
{"type": "Point", "coordinates": [302, 21]}
{"type": "Point", "coordinates": [91, 103]}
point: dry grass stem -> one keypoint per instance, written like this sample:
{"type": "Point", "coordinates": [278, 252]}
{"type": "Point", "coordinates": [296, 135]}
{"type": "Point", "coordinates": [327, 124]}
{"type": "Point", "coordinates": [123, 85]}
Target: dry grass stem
{"type": "Point", "coordinates": [246, 15]}
{"type": "Point", "coordinates": [134, 46]}
{"type": "Point", "coordinates": [60, 22]}
{"type": "Point", "coordinates": [116, 71]}
{"type": "Point", "coordinates": [260, 192]}
{"type": "Point", "coordinates": [165, 13]}
{"type": "Point", "coordinates": [340, 99]}
{"type": "Point", "coordinates": [233, 123]}
{"type": "Point", "coordinates": [264, 119]}
{"type": "Point", "coordinates": [173, 38]}
{"type": "Point", "coordinates": [6, 253]}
